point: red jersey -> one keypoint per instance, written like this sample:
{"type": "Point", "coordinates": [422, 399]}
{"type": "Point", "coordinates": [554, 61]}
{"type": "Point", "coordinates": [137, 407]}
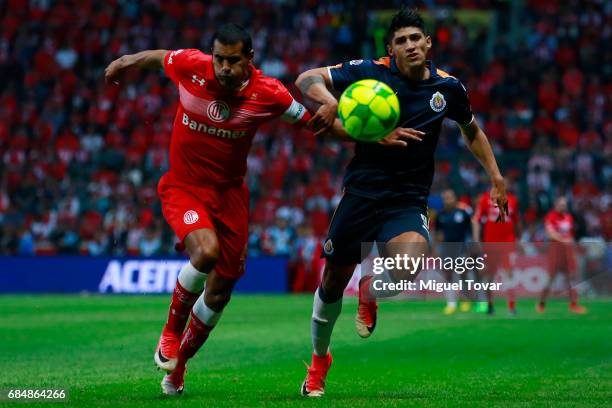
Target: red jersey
{"type": "Point", "coordinates": [561, 223]}
{"type": "Point", "coordinates": [212, 130]}
{"type": "Point", "coordinates": [487, 213]}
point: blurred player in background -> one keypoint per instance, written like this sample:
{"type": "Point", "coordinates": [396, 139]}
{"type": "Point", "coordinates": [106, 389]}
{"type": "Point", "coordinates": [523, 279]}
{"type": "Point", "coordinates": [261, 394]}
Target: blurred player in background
{"type": "Point", "coordinates": [559, 225]}
{"type": "Point", "coordinates": [498, 235]}
{"type": "Point", "coordinates": [387, 184]}
{"type": "Point", "coordinates": [453, 228]}
{"type": "Point", "coordinates": [223, 99]}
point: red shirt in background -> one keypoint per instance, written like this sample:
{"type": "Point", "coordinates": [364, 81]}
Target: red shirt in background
{"type": "Point", "coordinates": [487, 213]}
{"type": "Point", "coordinates": [561, 223]}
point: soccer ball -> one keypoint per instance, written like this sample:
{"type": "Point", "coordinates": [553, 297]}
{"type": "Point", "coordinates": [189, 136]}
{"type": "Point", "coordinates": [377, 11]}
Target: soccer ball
{"type": "Point", "coordinates": [369, 110]}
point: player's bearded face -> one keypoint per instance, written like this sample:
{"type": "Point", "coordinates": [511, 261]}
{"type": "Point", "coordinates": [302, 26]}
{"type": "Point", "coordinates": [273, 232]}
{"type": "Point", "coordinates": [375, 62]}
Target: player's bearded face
{"type": "Point", "coordinates": [231, 65]}
{"type": "Point", "coordinates": [410, 46]}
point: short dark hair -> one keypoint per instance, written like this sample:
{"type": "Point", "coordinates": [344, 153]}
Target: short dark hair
{"type": "Point", "coordinates": [404, 18]}
{"type": "Point", "coordinates": [231, 33]}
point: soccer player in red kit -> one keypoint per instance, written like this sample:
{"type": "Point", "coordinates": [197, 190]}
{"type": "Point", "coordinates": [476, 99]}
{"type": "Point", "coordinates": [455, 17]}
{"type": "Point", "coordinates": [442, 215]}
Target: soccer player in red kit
{"type": "Point", "coordinates": [559, 225]}
{"type": "Point", "coordinates": [498, 238]}
{"type": "Point", "coordinates": [223, 99]}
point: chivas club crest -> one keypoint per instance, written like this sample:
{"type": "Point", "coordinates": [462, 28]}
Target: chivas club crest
{"type": "Point", "coordinates": [328, 247]}
{"type": "Point", "coordinates": [437, 102]}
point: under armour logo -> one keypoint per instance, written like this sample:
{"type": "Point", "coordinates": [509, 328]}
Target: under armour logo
{"type": "Point", "coordinates": [197, 80]}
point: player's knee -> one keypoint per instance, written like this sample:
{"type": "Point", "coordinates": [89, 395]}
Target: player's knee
{"type": "Point", "coordinates": [335, 280]}
{"type": "Point", "coordinates": [332, 292]}
{"type": "Point", "coordinates": [217, 300]}
{"type": "Point", "coordinates": [205, 255]}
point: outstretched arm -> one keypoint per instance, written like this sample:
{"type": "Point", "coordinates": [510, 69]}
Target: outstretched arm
{"type": "Point", "coordinates": [150, 59]}
{"type": "Point", "coordinates": [315, 85]}
{"type": "Point", "coordinates": [477, 142]}
{"type": "Point", "coordinates": [397, 137]}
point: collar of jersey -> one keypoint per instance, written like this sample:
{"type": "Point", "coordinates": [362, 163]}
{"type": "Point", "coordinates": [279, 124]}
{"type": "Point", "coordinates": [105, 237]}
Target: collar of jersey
{"type": "Point", "coordinates": [433, 74]}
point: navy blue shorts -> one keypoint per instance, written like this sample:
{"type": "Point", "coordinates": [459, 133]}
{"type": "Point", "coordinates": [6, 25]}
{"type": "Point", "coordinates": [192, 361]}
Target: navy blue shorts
{"type": "Point", "coordinates": [360, 220]}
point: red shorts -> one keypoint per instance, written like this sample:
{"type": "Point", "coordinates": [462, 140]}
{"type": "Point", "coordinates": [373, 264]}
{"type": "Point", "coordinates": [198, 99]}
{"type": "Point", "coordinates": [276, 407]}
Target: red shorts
{"type": "Point", "coordinates": [187, 207]}
{"type": "Point", "coordinates": [561, 258]}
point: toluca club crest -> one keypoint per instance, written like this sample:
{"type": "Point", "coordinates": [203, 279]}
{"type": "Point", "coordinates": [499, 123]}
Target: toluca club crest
{"type": "Point", "coordinates": [218, 111]}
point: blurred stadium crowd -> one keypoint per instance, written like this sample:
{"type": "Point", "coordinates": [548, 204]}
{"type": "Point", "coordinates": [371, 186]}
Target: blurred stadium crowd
{"type": "Point", "coordinates": [80, 160]}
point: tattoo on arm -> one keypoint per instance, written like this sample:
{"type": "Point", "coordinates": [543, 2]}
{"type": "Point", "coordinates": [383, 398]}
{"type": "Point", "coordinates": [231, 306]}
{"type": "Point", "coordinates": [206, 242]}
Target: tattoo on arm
{"type": "Point", "coordinates": [310, 81]}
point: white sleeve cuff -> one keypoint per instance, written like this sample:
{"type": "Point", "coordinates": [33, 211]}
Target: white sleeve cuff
{"type": "Point", "coordinates": [331, 80]}
{"type": "Point", "coordinates": [294, 112]}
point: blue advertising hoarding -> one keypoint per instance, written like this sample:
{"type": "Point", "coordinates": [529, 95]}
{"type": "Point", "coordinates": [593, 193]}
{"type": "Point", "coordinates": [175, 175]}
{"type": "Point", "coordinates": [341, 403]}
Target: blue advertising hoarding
{"type": "Point", "coordinates": [73, 274]}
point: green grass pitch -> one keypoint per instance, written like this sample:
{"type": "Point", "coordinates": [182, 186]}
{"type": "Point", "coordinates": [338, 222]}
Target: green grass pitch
{"type": "Point", "coordinates": [100, 348]}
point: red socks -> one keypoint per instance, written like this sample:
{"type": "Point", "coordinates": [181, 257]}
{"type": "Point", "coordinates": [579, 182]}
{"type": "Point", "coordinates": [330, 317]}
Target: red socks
{"type": "Point", "coordinates": [194, 337]}
{"type": "Point", "coordinates": [511, 299]}
{"type": "Point", "coordinates": [182, 302]}
{"type": "Point", "coordinates": [573, 297]}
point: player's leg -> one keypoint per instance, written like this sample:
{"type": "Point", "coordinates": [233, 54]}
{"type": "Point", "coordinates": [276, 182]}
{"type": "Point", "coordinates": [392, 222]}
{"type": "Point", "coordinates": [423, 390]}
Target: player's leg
{"type": "Point", "coordinates": [494, 261]}
{"type": "Point", "coordinates": [353, 223]}
{"type": "Point", "coordinates": [450, 250]}
{"type": "Point", "coordinates": [571, 270]}
{"type": "Point", "coordinates": [205, 314]}
{"type": "Point", "coordinates": [232, 226]}
{"type": "Point", "coordinates": [572, 294]}
{"type": "Point", "coordinates": [326, 308]}
{"type": "Point", "coordinates": [451, 295]}
{"type": "Point", "coordinates": [481, 305]}
{"type": "Point", "coordinates": [553, 269]}
{"type": "Point", "coordinates": [190, 220]}
{"type": "Point", "coordinates": [405, 231]}
{"type": "Point", "coordinates": [541, 305]}
{"type": "Point", "coordinates": [203, 250]}
{"type": "Point", "coordinates": [511, 296]}
{"type": "Point", "coordinates": [468, 299]}
{"type": "Point", "coordinates": [327, 304]}
{"type": "Point", "coordinates": [414, 244]}
{"type": "Point", "coordinates": [231, 223]}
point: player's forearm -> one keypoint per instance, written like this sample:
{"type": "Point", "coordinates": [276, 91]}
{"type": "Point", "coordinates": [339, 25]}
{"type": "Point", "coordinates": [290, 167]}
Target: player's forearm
{"type": "Point", "coordinates": [338, 132]}
{"type": "Point", "coordinates": [314, 85]}
{"type": "Point", "coordinates": [554, 235]}
{"type": "Point", "coordinates": [150, 59]}
{"type": "Point", "coordinates": [477, 142]}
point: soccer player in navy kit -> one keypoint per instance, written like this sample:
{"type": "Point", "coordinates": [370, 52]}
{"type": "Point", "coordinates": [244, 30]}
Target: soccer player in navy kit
{"type": "Point", "coordinates": [453, 228]}
{"type": "Point", "coordinates": [387, 184]}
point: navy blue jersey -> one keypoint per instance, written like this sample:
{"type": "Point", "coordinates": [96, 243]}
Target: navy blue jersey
{"type": "Point", "coordinates": [379, 171]}
{"type": "Point", "coordinates": [454, 224]}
